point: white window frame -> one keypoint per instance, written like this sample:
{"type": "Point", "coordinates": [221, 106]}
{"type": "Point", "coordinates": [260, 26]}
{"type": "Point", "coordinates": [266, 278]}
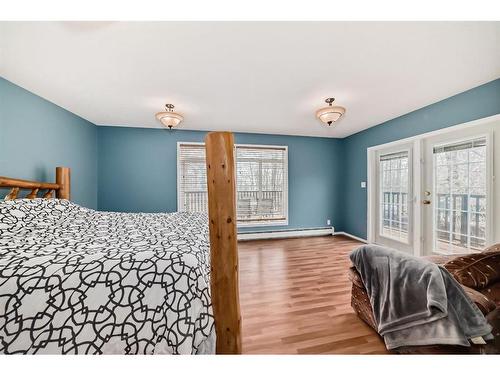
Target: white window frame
{"type": "Point", "coordinates": [179, 173]}
{"type": "Point", "coordinates": [270, 223]}
{"type": "Point", "coordinates": [240, 224]}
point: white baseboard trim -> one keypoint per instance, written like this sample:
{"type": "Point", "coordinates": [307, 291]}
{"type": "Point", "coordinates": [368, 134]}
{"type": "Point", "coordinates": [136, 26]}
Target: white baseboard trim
{"type": "Point", "coordinates": [312, 232]}
{"type": "Point", "coordinates": [351, 236]}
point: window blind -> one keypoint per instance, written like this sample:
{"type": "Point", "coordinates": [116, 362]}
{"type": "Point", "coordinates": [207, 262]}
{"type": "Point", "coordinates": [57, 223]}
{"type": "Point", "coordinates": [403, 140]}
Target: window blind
{"type": "Point", "coordinates": [395, 155]}
{"type": "Point", "coordinates": [261, 183]}
{"type": "Point", "coordinates": [480, 142]}
{"type": "Point", "coordinates": [192, 178]}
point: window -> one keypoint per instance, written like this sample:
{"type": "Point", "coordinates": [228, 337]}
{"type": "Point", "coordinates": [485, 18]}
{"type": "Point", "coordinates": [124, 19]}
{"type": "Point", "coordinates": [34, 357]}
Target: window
{"type": "Point", "coordinates": [191, 178]}
{"type": "Point", "coordinates": [394, 188]}
{"type": "Point", "coordinates": [261, 182]}
{"type": "Point", "coordinates": [461, 200]}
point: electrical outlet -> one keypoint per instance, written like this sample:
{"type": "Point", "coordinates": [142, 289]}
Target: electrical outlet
{"type": "Point", "coordinates": [328, 222]}
{"type": "Point", "coordinates": [363, 184]}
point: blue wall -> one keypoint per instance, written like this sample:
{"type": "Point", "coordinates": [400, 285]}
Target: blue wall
{"type": "Point", "coordinates": [134, 169]}
{"type": "Point", "coordinates": [37, 135]}
{"type": "Point", "coordinates": [137, 172]}
{"type": "Point", "coordinates": [479, 102]}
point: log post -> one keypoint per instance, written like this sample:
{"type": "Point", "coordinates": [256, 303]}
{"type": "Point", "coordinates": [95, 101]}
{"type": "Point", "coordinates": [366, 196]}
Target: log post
{"type": "Point", "coordinates": [223, 241]}
{"type": "Point", "coordinates": [64, 182]}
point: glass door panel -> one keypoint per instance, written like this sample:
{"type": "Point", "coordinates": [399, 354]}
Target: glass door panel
{"type": "Point", "coordinates": [394, 198]}
{"type": "Point", "coordinates": [459, 207]}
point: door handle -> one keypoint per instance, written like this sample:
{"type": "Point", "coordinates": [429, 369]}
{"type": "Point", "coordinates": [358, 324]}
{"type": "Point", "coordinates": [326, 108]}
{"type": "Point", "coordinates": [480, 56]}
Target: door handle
{"type": "Point", "coordinates": [426, 201]}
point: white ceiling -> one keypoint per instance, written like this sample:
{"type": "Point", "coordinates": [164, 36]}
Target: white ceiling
{"type": "Point", "coordinates": [248, 76]}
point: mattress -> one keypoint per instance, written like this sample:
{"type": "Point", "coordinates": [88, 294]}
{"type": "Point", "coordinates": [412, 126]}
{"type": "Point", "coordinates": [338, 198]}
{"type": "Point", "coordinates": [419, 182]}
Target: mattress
{"type": "Point", "coordinates": [79, 281]}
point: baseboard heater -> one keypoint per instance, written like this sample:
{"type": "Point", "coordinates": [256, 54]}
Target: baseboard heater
{"type": "Point", "coordinates": [286, 233]}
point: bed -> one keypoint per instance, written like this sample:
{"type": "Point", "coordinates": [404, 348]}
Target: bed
{"type": "Point", "coordinates": [78, 281]}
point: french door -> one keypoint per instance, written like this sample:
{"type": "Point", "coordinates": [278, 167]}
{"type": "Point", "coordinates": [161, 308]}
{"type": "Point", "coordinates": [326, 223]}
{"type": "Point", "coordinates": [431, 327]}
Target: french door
{"type": "Point", "coordinates": [394, 197]}
{"type": "Point", "coordinates": [456, 193]}
{"type": "Point", "coordinates": [435, 194]}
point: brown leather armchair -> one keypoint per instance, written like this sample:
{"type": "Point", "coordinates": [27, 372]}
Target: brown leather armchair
{"type": "Point", "coordinates": [479, 275]}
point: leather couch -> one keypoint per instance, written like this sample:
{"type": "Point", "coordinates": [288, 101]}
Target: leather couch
{"type": "Point", "coordinates": [479, 275]}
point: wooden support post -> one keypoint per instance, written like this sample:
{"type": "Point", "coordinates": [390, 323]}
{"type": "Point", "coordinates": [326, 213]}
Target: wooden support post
{"type": "Point", "coordinates": [64, 182]}
{"type": "Point", "coordinates": [12, 194]}
{"type": "Point", "coordinates": [33, 194]}
{"type": "Point", "coordinates": [223, 241]}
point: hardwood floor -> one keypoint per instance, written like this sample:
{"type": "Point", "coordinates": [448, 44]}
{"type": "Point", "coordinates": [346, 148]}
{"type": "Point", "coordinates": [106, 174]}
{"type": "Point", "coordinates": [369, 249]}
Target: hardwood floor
{"type": "Point", "coordinates": [295, 298]}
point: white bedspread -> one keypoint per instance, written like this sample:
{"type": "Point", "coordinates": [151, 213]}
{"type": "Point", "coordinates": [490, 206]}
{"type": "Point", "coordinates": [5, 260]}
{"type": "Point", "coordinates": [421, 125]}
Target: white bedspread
{"type": "Point", "coordinates": [80, 281]}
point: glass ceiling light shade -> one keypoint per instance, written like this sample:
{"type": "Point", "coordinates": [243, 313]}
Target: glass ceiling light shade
{"type": "Point", "coordinates": [169, 118]}
{"type": "Point", "coordinates": [330, 114]}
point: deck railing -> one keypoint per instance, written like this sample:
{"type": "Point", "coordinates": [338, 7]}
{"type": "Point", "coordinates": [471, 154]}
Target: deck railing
{"type": "Point", "coordinates": [454, 211]}
{"type": "Point", "coordinates": [249, 203]}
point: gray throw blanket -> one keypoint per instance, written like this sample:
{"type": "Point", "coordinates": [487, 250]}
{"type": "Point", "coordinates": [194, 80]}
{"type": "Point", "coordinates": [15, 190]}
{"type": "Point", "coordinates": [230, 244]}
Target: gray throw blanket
{"type": "Point", "coordinates": [416, 302]}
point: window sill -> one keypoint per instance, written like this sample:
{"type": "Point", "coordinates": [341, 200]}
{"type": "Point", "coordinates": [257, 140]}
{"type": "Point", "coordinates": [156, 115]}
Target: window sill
{"type": "Point", "coordinates": [394, 239]}
{"type": "Point", "coordinates": [271, 223]}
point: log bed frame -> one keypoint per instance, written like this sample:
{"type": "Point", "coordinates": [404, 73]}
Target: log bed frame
{"type": "Point", "coordinates": [222, 227]}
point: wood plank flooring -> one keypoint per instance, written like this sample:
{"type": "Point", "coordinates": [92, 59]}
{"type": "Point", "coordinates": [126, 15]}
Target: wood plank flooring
{"type": "Point", "coordinates": [295, 298]}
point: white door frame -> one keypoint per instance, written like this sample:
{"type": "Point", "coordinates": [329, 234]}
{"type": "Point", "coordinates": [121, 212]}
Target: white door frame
{"type": "Point", "coordinates": [417, 173]}
{"type": "Point", "coordinates": [414, 179]}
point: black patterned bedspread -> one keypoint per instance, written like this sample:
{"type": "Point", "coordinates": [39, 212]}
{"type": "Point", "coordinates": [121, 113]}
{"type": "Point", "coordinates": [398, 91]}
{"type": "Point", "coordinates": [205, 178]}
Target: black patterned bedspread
{"type": "Point", "coordinates": [75, 280]}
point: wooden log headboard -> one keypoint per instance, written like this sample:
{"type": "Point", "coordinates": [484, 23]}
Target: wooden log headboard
{"type": "Point", "coordinates": [62, 186]}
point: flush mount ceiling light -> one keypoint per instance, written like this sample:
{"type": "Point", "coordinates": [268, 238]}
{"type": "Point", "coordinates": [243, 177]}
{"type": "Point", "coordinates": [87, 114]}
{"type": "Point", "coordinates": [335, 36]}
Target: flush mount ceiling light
{"type": "Point", "coordinates": [330, 114]}
{"type": "Point", "coordinates": [169, 118]}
